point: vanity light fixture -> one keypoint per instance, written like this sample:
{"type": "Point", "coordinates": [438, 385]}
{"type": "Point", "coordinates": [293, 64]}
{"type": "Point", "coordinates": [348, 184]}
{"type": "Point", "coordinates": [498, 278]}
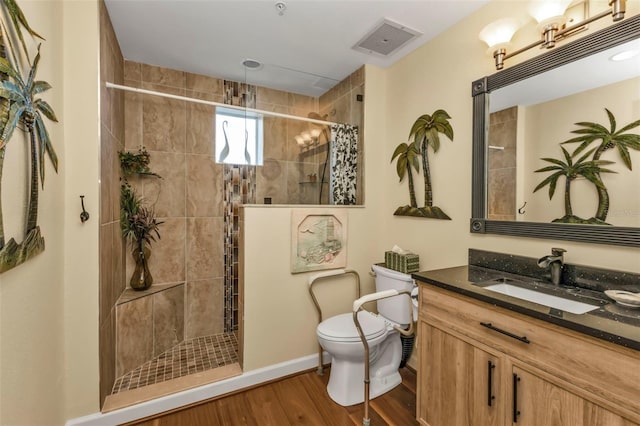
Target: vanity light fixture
{"type": "Point", "coordinates": [550, 17]}
{"type": "Point", "coordinates": [308, 139]}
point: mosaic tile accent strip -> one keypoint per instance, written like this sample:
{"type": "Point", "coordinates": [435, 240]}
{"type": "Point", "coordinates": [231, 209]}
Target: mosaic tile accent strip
{"type": "Point", "coordinates": [239, 188]}
{"type": "Point", "coordinates": [189, 357]}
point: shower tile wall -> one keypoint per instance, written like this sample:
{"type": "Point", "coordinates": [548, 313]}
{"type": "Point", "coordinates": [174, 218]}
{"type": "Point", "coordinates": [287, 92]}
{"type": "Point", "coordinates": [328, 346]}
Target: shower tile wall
{"type": "Point", "coordinates": [188, 199]}
{"type": "Point", "coordinates": [284, 177]}
{"type": "Point", "coordinates": [501, 182]}
{"type": "Point", "coordinates": [341, 105]}
{"type": "Point", "coordinates": [153, 320]}
{"type": "Point", "coordinates": [112, 281]}
{"type": "Point", "coordinates": [239, 189]}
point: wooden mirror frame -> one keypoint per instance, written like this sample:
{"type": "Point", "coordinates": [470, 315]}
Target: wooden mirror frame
{"type": "Point", "coordinates": [614, 35]}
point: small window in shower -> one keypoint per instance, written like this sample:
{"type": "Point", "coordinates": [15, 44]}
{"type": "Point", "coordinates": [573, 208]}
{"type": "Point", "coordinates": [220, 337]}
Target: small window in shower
{"type": "Point", "coordinates": [239, 137]}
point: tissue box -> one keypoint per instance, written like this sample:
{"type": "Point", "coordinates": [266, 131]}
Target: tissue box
{"type": "Point", "coordinates": [405, 263]}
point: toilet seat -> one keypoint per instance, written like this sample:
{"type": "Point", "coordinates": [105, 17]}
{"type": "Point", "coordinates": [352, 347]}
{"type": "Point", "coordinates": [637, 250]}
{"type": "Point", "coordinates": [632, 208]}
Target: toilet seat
{"type": "Point", "coordinates": [341, 328]}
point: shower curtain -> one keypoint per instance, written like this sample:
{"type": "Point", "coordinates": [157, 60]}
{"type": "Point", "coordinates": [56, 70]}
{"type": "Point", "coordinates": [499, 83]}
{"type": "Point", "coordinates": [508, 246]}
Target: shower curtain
{"type": "Point", "coordinates": [344, 162]}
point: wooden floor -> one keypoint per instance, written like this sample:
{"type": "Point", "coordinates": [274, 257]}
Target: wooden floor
{"type": "Point", "coordinates": [298, 400]}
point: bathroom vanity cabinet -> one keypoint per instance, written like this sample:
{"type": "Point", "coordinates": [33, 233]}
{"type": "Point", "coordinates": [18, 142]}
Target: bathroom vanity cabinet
{"type": "Point", "coordinates": [485, 365]}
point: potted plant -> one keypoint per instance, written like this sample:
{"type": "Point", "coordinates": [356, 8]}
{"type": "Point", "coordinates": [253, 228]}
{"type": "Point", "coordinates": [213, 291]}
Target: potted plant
{"type": "Point", "coordinates": [136, 163]}
{"type": "Point", "coordinates": [138, 222]}
{"type": "Point", "coordinates": [139, 228]}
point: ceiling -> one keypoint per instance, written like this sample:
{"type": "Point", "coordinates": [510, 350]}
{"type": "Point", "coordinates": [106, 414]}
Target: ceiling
{"type": "Point", "coordinates": [307, 49]}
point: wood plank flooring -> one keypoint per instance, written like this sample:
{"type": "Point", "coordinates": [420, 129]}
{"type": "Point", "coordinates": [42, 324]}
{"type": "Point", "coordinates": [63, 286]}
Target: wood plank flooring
{"type": "Point", "coordinates": [297, 400]}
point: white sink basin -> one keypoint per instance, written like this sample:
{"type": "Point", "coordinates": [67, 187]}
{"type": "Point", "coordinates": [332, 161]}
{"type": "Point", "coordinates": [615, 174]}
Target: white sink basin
{"type": "Point", "coordinates": [566, 305]}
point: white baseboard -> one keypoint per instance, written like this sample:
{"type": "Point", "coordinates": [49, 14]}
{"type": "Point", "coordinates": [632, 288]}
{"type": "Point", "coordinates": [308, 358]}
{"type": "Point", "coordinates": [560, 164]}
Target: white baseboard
{"type": "Point", "coordinates": [202, 393]}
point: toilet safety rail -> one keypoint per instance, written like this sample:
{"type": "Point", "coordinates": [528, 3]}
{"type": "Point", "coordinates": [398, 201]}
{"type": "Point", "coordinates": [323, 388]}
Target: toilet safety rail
{"type": "Point", "coordinates": [312, 281]}
{"type": "Point", "coordinates": [357, 307]}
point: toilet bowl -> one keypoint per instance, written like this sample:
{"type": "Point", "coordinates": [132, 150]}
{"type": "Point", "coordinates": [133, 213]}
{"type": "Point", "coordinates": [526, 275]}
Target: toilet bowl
{"type": "Point", "coordinates": [339, 336]}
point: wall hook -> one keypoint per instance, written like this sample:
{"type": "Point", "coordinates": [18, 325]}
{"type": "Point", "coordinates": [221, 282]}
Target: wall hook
{"type": "Point", "coordinates": [520, 210]}
{"type": "Point", "coordinates": [84, 216]}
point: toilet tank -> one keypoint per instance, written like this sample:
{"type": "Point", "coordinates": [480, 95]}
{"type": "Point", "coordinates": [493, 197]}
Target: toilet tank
{"type": "Point", "coordinates": [397, 309]}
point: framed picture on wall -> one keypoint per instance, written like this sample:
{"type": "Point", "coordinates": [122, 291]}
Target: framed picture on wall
{"type": "Point", "coordinates": [318, 240]}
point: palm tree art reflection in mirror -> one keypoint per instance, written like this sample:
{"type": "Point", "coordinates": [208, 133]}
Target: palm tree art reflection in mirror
{"type": "Point", "coordinates": [20, 106]}
{"type": "Point", "coordinates": [592, 170]}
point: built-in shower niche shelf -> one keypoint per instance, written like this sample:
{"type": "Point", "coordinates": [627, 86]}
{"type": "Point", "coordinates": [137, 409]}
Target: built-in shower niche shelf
{"type": "Point", "coordinates": [311, 183]}
{"type": "Point", "coordinates": [129, 294]}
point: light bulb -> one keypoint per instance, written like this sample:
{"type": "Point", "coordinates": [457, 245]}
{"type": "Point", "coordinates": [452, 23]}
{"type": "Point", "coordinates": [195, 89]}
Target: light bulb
{"type": "Point", "coordinates": [548, 11]}
{"type": "Point", "coordinates": [499, 33]}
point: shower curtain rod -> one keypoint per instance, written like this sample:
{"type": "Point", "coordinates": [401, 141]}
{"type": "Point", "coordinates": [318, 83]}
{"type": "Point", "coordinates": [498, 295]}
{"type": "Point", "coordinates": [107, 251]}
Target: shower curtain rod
{"type": "Point", "coordinates": [201, 101]}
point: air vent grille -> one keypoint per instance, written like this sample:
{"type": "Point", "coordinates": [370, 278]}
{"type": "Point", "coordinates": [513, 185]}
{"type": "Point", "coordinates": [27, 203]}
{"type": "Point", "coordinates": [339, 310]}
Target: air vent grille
{"type": "Point", "coordinates": [386, 38]}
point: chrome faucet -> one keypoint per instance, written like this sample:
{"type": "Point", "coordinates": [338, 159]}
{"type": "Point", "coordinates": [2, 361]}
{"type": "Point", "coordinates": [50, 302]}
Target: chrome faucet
{"type": "Point", "coordinates": [555, 262]}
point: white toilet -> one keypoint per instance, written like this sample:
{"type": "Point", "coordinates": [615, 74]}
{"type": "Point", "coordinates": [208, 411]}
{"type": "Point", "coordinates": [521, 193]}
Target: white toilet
{"type": "Point", "coordinates": [339, 337]}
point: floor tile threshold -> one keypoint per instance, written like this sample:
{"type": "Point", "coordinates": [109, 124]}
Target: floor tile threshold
{"type": "Point", "coordinates": [136, 396]}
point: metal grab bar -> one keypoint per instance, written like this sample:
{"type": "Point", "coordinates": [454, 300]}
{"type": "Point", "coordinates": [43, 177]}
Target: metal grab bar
{"type": "Point", "coordinates": [357, 307]}
{"type": "Point", "coordinates": [312, 281]}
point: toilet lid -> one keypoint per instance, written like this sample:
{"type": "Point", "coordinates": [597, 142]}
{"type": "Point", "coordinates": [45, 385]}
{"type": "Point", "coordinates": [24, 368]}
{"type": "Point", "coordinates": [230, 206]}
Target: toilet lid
{"type": "Point", "coordinates": [342, 328]}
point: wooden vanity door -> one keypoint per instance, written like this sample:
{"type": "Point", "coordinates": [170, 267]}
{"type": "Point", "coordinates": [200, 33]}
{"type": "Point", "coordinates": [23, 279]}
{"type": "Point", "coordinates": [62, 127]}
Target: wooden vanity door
{"type": "Point", "coordinates": [455, 382]}
{"type": "Point", "coordinates": [538, 402]}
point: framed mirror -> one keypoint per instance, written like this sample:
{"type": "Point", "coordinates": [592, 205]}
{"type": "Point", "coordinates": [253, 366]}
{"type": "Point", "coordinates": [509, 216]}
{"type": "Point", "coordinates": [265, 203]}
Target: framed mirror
{"type": "Point", "coordinates": [499, 98]}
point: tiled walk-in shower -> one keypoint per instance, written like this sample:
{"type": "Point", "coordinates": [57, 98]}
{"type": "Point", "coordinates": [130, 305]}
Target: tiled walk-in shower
{"type": "Point", "coordinates": [189, 357]}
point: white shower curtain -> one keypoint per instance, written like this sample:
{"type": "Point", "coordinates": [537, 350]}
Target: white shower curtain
{"type": "Point", "coordinates": [344, 163]}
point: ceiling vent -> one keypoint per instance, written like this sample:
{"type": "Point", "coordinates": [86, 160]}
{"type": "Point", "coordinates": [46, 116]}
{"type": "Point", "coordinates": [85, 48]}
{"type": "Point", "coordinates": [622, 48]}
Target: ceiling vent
{"type": "Point", "coordinates": [386, 38]}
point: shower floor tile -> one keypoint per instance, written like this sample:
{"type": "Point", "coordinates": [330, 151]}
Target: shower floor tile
{"type": "Point", "coordinates": [189, 357]}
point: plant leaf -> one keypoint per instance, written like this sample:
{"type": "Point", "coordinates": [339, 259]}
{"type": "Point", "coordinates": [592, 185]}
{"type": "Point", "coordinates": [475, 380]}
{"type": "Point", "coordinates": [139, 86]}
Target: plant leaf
{"type": "Point", "coordinates": [546, 169]}
{"type": "Point", "coordinates": [6, 68]}
{"type": "Point", "coordinates": [433, 139]}
{"type": "Point", "coordinates": [624, 154]}
{"type": "Point", "coordinates": [18, 19]}
{"type": "Point", "coordinates": [612, 120]}
{"type": "Point", "coordinates": [629, 126]}
{"type": "Point", "coordinates": [40, 86]}
{"type": "Point", "coordinates": [33, 70]}
{"type": "Point", "coordinates": [46, 109]}
{"type": "Point", "coordinates": [46, 140]}
{"type": "Point", "coordinates": [9, 91]}
{"type": "Point", "coordinates": [401, 168]}
{"type": "Point", "coordinates": [399, 150]}
{"type": "Point", "coordinates": [15, 113]}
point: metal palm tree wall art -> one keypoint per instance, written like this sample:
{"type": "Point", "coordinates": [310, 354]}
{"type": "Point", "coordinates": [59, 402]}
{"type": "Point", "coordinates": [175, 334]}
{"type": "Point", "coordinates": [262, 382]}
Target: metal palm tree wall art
{"type": "Point", "coordinates": [20, 106]}
{"type": "Point", "coordinates": [425, 133]}
{"type": "Point", "coordinates": [592, 170]}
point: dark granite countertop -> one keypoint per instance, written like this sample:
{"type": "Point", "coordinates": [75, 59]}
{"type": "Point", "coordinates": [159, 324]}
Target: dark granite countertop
{"type": "Point", "coordinates": [611, 322]}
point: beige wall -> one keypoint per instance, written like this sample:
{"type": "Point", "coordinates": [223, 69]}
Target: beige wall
{"type": "Point", "coordinates": [31, 295]}
{"type": "Point", "coordinates": [48, 306]}
{"type": "Point", "coordinates": [81, 164]}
